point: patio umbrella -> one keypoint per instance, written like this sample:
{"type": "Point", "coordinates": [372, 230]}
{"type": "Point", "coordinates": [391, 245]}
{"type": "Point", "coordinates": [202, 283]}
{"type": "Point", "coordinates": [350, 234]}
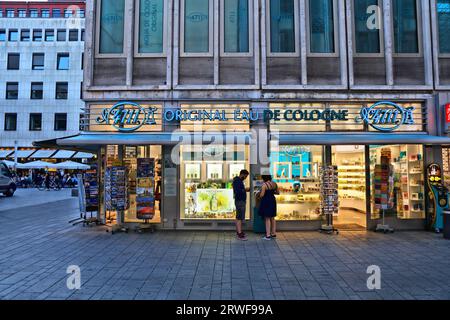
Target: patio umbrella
{"type": "Point", "coordinates": [37, 165]}
{"type": "Point", "coordinates": [71, 165]}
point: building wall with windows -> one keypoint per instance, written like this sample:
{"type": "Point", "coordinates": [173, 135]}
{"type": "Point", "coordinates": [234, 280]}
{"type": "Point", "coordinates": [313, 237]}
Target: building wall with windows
{"type": "Point", "coordinates": [40, 77]}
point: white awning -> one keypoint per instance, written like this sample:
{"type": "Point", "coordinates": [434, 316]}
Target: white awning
{"type": "Point", "coordinates": [83, 155]}
{"type": "Point", "coordinates": [5, 153]}
{"type": "Point", "coordinates": [37, 165]}
{"type": "Point", "coordinates": [63, 154]}
{"type": "Point", "coordinates": [42, 154]}
{"type": "Point", "coordinates": [23, 153]}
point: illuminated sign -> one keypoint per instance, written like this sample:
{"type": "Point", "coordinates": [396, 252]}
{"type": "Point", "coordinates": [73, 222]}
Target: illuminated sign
{"type": "Point", "coordinates": [383, 116]}
{"type": "Point", "coordinates": [447, 113]}
{"type": "Point", "coordinates": [386, 116]}
{"type": "Point", "coordinates": [127, 116]}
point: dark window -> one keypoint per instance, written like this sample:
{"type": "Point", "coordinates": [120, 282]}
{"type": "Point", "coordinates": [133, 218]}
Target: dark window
{"type": "Point", "coordinates": [61, 36]}
{"type": "Point", "coordinates": [61, 90]}
{"type": "Point", "coordinates": [73, 35]}
{"type": "Point", "coordinates": [82, 35]}
{"type": "Point", "coordinates": [37, 35]}
{"type": "Point", "coordinates": [60, 121]}
{"type": "Point", "coordinates": [22, 13]}
{"type": "Point", "coordinates": [406, 38]}
{"type": "Point", "coordinates": [25, 35]}
{"type": "Point", "coordinates": [12, 90]}
{"type": "Point", "coordinates": [10, 13]}
{"type": "Point", "coordinates": [1, 13]}
{"type": "Point", "coordinates": [10, 121]}
{"type": "Point", "coordinates": [2, 35]}
{"type": "Point", "coordinates": [45, 13]}
{"type": "Point", "coordinates": [38, 61]}
{"type": "Point", "coordinates": [56, 13]}
{"type": "Point", "coordinates": [13, 61]}
{"type": "Point", "coordinates": [82, 61]}
{"type": "Point", "coordinates": [443, 12]}
{"type": "Point", "coordinates": [49, 35]}
{"type": "Point", "coordinates": [37, 90]}
{"type": "Point", "coordinates": [367, 37]}
{"type": "Point", "coordinates": [81, 91]}
{"type": "Point", "coordinates": [13, 35]}
{"type": "Point", "coordinates": [35, 121]}
{"type": "Point", "coordinates": [63, 61]}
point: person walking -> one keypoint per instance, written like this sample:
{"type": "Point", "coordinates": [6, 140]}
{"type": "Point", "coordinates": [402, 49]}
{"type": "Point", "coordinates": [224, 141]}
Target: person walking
{"type": "Point", "coordinates": [268, 206]}
{"type": "Point", "coordinates": [240, 201]}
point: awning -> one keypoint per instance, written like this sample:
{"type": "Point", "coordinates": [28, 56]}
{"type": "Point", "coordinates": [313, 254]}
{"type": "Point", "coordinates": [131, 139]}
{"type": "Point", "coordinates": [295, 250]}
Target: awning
{"type": "Point", "coordinates": [63, 154]}
{"type": "Point", "coordinates": [5, 153]}
{"type": "Point", "coordinates": [154, 138]}
{"type": "Point", "coordinates": [83, 155]}
{"type": "Point", "coordinates": [37, 165]}
{"type": "Point", "coordinates": [375, 138]}
{"type": "Point", "coordinates": [71, 165]}
{"type": "Point", "coordinates": [42, 154]}
{"type": "Point", "coordinates": [22, 153]}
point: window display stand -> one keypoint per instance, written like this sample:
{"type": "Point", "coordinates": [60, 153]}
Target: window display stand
{"type": "Point", "coordinates": [384, 180]}
{"type": "Point", "coordinates": [329, 197]}
{"type": "Point", "coordinates": [116, 196]}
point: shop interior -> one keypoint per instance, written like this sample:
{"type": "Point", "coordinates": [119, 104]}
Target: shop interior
{"type": "Point", "coordinates": [350, 162]}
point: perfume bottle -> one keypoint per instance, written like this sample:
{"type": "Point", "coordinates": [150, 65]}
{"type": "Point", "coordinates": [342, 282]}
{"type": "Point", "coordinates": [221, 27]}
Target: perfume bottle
{"type": "Point", "coordinates": [214, 204]}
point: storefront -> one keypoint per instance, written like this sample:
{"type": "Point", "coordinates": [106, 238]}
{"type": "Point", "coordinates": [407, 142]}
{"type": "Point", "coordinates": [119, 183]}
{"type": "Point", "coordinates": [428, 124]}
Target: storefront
{"type": "Point", "coordinates": [175, 162]}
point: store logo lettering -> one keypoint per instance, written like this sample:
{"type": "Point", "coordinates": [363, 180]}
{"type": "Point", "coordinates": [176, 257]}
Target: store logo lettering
{"type": "Point", "coordinates": [197, 17]}
{"type": "Point", "coordinates": [386, 116]}
{"type": "Point", "coordinates": [127, 116]}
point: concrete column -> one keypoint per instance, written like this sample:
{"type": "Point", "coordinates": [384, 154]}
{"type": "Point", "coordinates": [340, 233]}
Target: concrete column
{"type": "Point", "coordinates": [129, 35]}
{"type": "Point", "coordinates": [388, 41]}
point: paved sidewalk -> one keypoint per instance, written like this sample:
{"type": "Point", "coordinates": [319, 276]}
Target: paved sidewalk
{"type": "Point", "coordinates": [28, 197]}
{"type": "Point", "coordinates": [37, 245]}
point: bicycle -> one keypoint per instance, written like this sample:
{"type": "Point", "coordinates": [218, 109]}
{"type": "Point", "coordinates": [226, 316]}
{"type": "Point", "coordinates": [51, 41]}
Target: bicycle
{"type": "Point", "coordinates": [52, 186]}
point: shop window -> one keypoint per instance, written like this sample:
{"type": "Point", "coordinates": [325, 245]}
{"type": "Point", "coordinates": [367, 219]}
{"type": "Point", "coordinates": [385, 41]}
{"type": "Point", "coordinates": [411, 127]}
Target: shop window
{"type": "Point", "coordinates": [282, 23]}
{"type": "Point", "coordinates": [112, 15]}
{"type": "Point", "coordinates": [144, 188]}
{"type": "Point", "coordinates": [367, 40]}
{"type": "Point", "coordinates": [397, 181]}
{"type": "Point", "coordinates": [236, 26]}
{"type": "Point", "coordinates": [151, 27]}
{"type": "Point", "coordinates": [207, 174]}
{"type": "Point", "coordinates": [296, 171]}
{"type": "Point", "coordinates": [443, 13]}
{"type": "Point", "coordinates": [231, 117]}
{"type": "Point", "coordinates": [25, 35]}
{"type": "Point", "coordinates": [197, 27]}
{"type": "Point", "coordinates": [37, 90]}
{"type": "Point", "coordinates": [405, 16]}
{"type": "Point", "coordinates": [322, 36]}
{"type": "Point", "coordinates": [291, 117]}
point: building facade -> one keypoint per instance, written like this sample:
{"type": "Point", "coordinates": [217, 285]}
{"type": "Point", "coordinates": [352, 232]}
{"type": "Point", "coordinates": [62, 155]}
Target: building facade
{"type": "Point", "coordinates": [41, 62]}
{"type": "Point", "coordinates": [290, 85]}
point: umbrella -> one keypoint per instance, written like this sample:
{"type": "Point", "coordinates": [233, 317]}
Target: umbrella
{"type": "Point", "coordinates": [37, 165]}
{"type": "Point", "coordinates": [10, 164]}
{"type": "Point", "coordinates": [71, 165]}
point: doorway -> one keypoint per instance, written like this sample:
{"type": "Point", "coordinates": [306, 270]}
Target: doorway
{"type": "Point", "coordinates": [351, 164]}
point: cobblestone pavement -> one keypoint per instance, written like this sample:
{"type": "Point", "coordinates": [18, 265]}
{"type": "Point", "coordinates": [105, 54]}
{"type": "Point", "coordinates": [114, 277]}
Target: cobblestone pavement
{"type": "Point", "coordinates": [37, 245]}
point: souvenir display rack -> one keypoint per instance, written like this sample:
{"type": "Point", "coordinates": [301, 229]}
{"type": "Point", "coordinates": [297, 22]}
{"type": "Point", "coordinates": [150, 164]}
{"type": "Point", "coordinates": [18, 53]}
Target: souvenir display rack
{"type": "Point", "coordinates": [329, 196]}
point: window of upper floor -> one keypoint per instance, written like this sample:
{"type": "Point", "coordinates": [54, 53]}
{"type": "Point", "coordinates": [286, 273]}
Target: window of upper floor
{"type": "Point", "coordinates": [56, 13]}
{"type": "Point", "coordinates": [22, 13]}
{"type": "Point", "coordinates": [443, 16]}
{"type": "Point", "coordinates": [110, 31]}
{"type": "Point", "coordinates": [45, 13]}
{"type": "Point", "coordinates": [10, 13]}
{"type": "Point", "coordinates": [34, 13]}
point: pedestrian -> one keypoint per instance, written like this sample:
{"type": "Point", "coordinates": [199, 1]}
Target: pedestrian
{"type": "Point", "coordinates": [240, 201]}
{"type": "Point", "coordinates": [47, 181]}
{"type": "Point", "coordinates": [268, 206]}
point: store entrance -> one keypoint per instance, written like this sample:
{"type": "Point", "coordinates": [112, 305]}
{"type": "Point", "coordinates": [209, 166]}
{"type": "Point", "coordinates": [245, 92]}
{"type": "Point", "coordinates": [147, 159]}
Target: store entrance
{"type": "Point", "coordinates": [350, 161]}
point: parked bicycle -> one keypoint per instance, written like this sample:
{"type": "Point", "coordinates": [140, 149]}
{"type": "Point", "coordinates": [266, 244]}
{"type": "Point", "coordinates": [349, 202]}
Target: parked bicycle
{"type": "Point", "coordinates": [52, 185]}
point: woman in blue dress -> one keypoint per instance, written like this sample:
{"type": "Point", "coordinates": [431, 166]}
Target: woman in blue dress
{"type": "Point", "coordinates": [268, 206]}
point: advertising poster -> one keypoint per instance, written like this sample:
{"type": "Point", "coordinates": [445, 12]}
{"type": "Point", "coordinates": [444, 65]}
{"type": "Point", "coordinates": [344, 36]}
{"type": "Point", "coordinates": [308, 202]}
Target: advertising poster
{"type": "Point", "coordinates": [145, 198]}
